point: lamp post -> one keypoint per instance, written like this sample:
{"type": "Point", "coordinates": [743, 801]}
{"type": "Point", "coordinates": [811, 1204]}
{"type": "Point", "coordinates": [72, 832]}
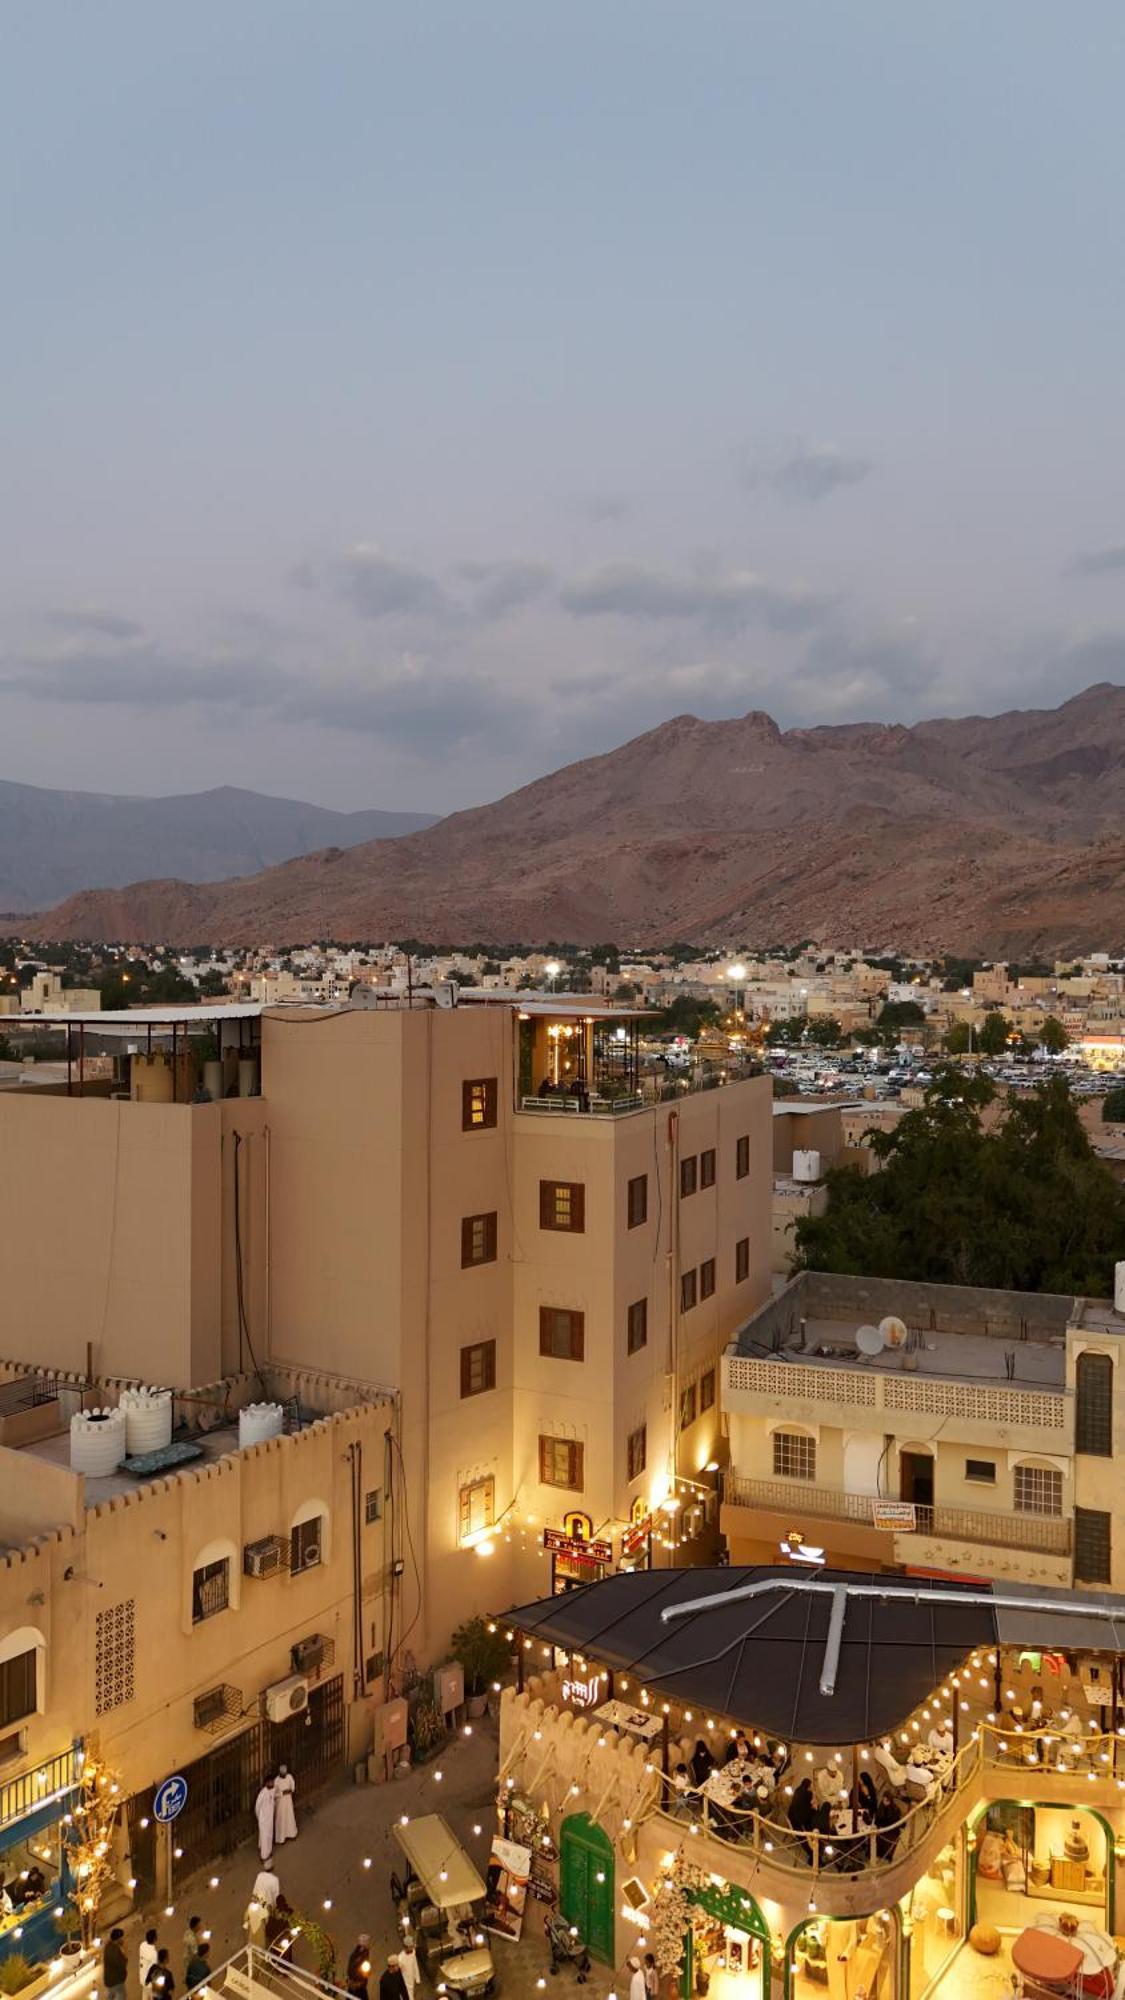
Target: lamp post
{"type": "Point", "coordinates": [552, 970]}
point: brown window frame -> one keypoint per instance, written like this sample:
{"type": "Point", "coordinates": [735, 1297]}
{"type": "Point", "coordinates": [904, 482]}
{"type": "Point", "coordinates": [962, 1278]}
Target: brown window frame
{"type": "Point", "coordinates": [306, 1545]}
{"type": "Point", "coordinates": [707, 1278]}
{"type": "Point", "coordinates": [210, 1573]}
{"type": "Point", "coordinates": [19, 1678]}
{"type": "Point", "coordinates": [1093, 1404]}
{"type": "Point", "coordinates": [707, 1390]}
{"type": "Point", "coordinates": [636, 1452]}
{"type": "Point", "coordinates": [707, 1167]}
{"type": "Point", "coordinates": [469, 1261]}
{"type": "Point", "coordinates": [688, 1410]}
{"type": "Point", "coordinates": [550, 1317]}
{"type": "Point", "coordinates": [636, 1201]}
{"type": "Point", "coordinates": [689, 1290]}
{"type": "Point", "coordinates": [1093, 1545]}
{"type": "Point", "coordinates": [489, 1090]}
{"type": "Point", "coordinates": [549, 1192]}
{"type": "Point", "coordinates": [742, 1157]}
{"type": "Point", "coordinates": [689, 1175]}
{"type": "Point", "coordinates": [486, 1486]}
{"type": "Point", "coordinates": [633, 1345]}
{"type": "Point", "coordinates": [742, 1260]}
{"type": "Point", "coordinates": [484, 1352]}
{"type": "Point", "coordinates": [575, 1481]}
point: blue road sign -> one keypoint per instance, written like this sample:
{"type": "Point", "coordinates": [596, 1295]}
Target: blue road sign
{"type": "Point", "coordinates": [171, 1798]}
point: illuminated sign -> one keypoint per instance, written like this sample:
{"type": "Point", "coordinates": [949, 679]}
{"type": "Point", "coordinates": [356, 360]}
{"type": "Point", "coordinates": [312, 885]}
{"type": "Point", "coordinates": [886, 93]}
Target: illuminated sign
{"type": "Point", "coordinates": [634, 1539]}
{"type": "Point", "coordinates": [798, 1550]}
{"type": "Point", "coordinates": [583, 1693]}
{"type": "Point", "coordinates": [891, 1514]}
{"type": "Point", "coordinates": [575, 1547]}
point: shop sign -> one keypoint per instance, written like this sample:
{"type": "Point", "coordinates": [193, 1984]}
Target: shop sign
{"type": "Point", "coordinates": [797, 1550]}
{"type": "Point", "coordinates": [634, 1539]}
{"type": "Point", "coordinates": [583, 1693]}
{"type": "Point", "coordinates": [894, 1514]}
{"type": "Point", "coordinates": [575, 1548]}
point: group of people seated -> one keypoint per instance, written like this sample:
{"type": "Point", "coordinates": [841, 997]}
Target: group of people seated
{"type": "Point", "coordinates": [25, 1888]}
{"type": "Point", "coordinates": [742, 1784]}
{"type": "Point", "coordinates": [576, 1089]}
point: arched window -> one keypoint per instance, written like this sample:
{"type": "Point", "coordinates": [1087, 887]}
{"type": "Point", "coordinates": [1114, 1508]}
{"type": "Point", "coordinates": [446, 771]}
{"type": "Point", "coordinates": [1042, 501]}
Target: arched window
{"type": "Point", "coordinates": [1093, 1411]}
{"type": "Point", "coordinates": [22, 1690]}
{"type": "Point", "coordinates": [308, 1536]}
{"type": "Point", "coordinates": [214, 1581]}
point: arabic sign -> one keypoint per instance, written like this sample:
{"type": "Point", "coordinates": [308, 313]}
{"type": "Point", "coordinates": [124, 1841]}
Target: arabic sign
{"type": "Point", "coordinates": [798, 1550]}
{"type": "Point", "coordinates": [898, 1514]}
{"type": "Point", "coordinates": [558, 1544]}
{"type": "Point", "coordinates": [634, 1539]}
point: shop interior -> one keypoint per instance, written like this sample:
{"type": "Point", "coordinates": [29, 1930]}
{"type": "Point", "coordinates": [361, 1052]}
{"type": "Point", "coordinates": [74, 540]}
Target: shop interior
{"type": "Point", "coordinates": [845, 1958]}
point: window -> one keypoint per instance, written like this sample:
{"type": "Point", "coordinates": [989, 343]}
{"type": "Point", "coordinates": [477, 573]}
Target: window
{"type": "Point", "coordinates": [478, 1103]}
{"type": "Point", "coordinates": [689, 1175]}
{"type": "Point", "coordinates": [706, 1389]}
{"type": "Point", "coordinates": [637, 1202]}
{"type": "Point", "coordinates": [1038, 1490]}
{"type": "Point", "coordinates": [561, 1463]}
{"type": "Point", "coordinates": [210, 1589]}
{"type": "Point", "coordinates": [981, 1469]}
{"type": "Point", "coordinates": [636, 1449]}
{"type": "Point", "coordinates": [1093, 1414]}
{"type": "Point", "coordinates": [687, 1406]}
{"type": "Point", "coordinates": [707, 1168]}
{"type": "Point", "coordinates": [562, 1333]}
{"type": "Point", "coordinates": [636, 1331]}
{"type": "Point", "coordinates": [794, 1455]}
{"type": "Point", "coordinates": [305, 1544]}
{"type": "Point", "coordinates": [687, 1291]}
{"type": "Point", "coordinates": [1091, 1546]}
{"type": "Point", "coordinates": [562, 1205]}
{"type": "Point", "coordinates": [707, 1278]}
{"type": "Point", "coordinates": [478, 1368]}
{"type": "Point", "coordinates": [478, 1240]}
{"type": "Point", "coordinates": [742, 1260]}
{"type": "Point", "coordinates": [18, 1686]}
{"type": "Point", "coordinates": [476, 1506]}
{"type": "Point", "coordinates": [373, 1505]}
{"type": "Point", "coordinates": [742, 1157]}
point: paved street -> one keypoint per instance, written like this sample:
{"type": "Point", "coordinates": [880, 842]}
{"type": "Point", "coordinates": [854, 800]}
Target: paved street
{"type": "Point", "coordinates": [346, 1825]}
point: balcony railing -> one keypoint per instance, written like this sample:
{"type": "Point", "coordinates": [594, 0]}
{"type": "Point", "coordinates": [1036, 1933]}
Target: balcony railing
{"type": "Point", "coordinates": [1048, 1534]}
{"type": "Point", "coordinates": [850, 1384]}
{"type": "Point", "coordinates": [592, 1106]}
{"type": "Point", "coordinates": [46, 1784]}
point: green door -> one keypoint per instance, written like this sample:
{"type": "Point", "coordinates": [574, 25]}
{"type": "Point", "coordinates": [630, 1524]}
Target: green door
{"type": "Point", "coordinates": [586, 1883]}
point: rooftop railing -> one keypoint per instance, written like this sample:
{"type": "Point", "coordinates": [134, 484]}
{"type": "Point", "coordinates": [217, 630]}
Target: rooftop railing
{"type": "Point", "coordinates": [1048, 1534]}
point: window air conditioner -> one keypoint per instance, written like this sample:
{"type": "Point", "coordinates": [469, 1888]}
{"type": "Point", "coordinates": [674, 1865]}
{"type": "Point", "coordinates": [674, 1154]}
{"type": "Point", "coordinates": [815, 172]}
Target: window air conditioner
{"type": "Point", "coordinates": [286, 1698]}
{"type": "Point", "coordinates": [264, 1557]}
{"type": "Point", "coordinates": [210, 1707]}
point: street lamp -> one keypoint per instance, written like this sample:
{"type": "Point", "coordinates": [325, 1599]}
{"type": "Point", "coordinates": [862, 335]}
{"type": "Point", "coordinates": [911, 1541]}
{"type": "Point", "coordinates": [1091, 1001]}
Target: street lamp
{"type": "Point", "coordinates": [552, 970]}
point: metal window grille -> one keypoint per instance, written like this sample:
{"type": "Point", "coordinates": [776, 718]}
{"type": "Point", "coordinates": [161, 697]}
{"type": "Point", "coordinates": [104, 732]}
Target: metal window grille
{"type": "Point", "coordinates": [794, 1455]}
{"type": "Point", "coordinates": [373, 1506]}
{"type": "Point", "coordinates": [115, 1655]}
{"type": "Point", "coordinates": [1093, 1410]}
{"type": "Point", "coordinates": [1091, 1545]}
{"type": "Point", "coordinates": [1038, 1490]}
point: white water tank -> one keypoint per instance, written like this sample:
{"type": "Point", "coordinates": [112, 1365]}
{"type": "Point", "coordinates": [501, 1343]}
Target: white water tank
{"type": "Point", "coordinates": [806, 1165]}
{"type": "Point", "coordinates": [148, 1419]}
{"type": "Point", "coordinates": [97, 1442]}
{"type": "Point", "coordinates": [1119, 1287]}
{"type": "Point", "coordinates": [259, 1421]}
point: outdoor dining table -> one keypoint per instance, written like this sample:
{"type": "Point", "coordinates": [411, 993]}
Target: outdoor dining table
{"type": "Point", "coordinates": [1047, 1957]}
{"type": "Point", "coordinates": [636, 1721]}
{"type": "Point", "coordinates": [1097, 1955]}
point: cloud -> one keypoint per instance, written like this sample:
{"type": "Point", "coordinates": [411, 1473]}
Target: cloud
{"type": "Point", "coordinates": [419, 706]}
{"type": "Point", "coordinates": [91, 618]}
{"type": "Point", "coordinates": [721, 602]}
{"type": "Point", "coordinates": [145, 677]}
{"type": "Point", "coordinates": [379, 586]}
{"type": "Point", "coordinates": [1098, 562]}
{"type": "Point", "coordinates": [844, 671]}
{"type": "Point", "coordinates": [504, 587]}
{"type": "Point", "coordinates": [803, 473]}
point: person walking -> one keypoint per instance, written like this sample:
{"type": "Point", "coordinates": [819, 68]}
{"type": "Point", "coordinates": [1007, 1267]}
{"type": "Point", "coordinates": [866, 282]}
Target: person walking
{"type": "Point", "coordinates": [191, 1940]}
{"type": "Point", "coordinates": [409, 1967]}
{"type": "Point", "coordinates": [392, 1985]}
{"type": "Point", "coordinates": [160, 1980]}
{"type": "Point", "coordinates": [199, 1967]}
{"type": "Point", "coordinates": [115, 1965]}
{"type": "Point", "coordinates": [284, 1817]}
{"type": "Point", "coordinates": [652, 1977]}
{"type": "Point", "coordinates": [146, 1955]}
{"type": "Point", "coordinates": [637, 1987]}
{"type": "Point", "coordinates": [359, 1967]}
{"type": "Point", "coordinates": [254, 1921]}
{"type": "Point", "coordinates": [267, 1888]}
{"type": "Point", "coordinates": [264, 1810]}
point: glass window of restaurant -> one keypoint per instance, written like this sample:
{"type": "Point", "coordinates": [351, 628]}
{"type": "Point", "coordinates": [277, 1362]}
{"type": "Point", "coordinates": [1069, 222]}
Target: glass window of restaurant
{"type": "Point", "coordinates": [932, 1920]}
{"type": "Point", "coordinates": [834, 1958]}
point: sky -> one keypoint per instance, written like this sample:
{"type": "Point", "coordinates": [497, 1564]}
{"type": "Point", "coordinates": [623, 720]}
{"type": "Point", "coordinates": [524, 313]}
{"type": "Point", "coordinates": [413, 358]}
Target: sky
{"type": "Point", "coordinates": [403, 400]}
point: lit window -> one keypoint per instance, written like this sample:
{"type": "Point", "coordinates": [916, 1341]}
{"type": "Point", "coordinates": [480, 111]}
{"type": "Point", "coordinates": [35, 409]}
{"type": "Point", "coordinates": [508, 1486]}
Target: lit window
{"type": "Point", "coordinates": [562, 1206]}
{"type": "Point", "coordinates": [478, 1103]}
{"type": "Point", "coordinates": [476, 1505]}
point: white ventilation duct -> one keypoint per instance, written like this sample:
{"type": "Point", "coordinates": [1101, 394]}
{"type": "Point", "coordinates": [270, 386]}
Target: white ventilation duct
{"type": "Point", "coordinates": [148, 1420]}
{"type": "Point", "coordinates": [259, 1421]}
{"type": "Point", "coordinates": [97, 1442]}
{"type": "Point", "coordinates": [1119, 1287]}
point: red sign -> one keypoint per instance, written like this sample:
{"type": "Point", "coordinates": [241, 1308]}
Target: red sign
{"type": "Point", "coordinates": [558, 1544]}
{"type": "Point", "coordinates": [634, 1538]}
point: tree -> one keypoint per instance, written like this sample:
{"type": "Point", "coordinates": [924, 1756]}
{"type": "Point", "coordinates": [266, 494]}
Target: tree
{"type": "Point", "coordinates": [901, 1014]}
{"type": "Point", "coordinates": [993, 1034]}
{"type": "Point", "coordinates": [90, 1848]}
{"type": "Point", "coordinates": [1026, 1206]}
{"type": "Point", "coordinates": [687, 1016]}
{"type": "Point", "coordinates": [824, 1032]}
{"type": "Point", "coordinates": [786, 1034]}
{"type": "Point", "coordinates": [1113, 1106]}
{"type": "Point", "coordinates": [958, 1038]}
{"type": "Point", "coordinates": [1053, 1035]}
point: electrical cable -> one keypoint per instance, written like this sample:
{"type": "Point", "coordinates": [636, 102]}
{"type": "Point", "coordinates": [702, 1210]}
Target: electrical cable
{"type": "Point", "coordinates": [397, 1448]}
{"type": "Point", "coordinates": [243, 1322]}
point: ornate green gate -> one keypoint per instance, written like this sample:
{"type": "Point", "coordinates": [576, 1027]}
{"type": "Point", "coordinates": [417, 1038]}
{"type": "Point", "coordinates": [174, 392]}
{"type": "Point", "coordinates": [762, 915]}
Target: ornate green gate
{"type": "Point", "coordinates": [728, 1905]}
{"type": "Point", "coordinates": [586, 1883]}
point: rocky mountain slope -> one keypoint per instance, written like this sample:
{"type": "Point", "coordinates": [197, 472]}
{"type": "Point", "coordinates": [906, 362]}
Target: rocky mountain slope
{"type": "Point", "coordinates": [1001, 834]}
{"type": "Point", "coordinates": [52, 843]}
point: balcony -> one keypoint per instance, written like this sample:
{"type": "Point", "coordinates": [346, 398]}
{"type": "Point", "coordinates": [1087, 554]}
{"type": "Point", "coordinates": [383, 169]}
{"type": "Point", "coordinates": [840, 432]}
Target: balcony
{"type": "Point", "coordinates": [588, 1105]}
{"type": "Point", "coordinates": [791, 1384]}
{"type": "Point", "coordinates": [1046, 1534]}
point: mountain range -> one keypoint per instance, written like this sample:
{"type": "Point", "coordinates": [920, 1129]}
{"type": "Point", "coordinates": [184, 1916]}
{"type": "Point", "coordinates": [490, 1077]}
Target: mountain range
{"type": "Point", "coordinates": [53, 843]}
{"type": "Point", "coordinates": [998, 835]}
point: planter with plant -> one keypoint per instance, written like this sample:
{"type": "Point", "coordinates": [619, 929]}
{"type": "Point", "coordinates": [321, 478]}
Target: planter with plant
{"type": "Point", "coordinates": [484, 1656]}
{"type": "Point", "coordinates": [427, 1729]}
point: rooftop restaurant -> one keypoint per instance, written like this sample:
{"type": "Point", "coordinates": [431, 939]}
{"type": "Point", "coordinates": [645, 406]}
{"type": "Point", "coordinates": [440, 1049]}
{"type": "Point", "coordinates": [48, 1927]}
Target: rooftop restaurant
{"type": "Point", "coordinates": [877, 1787]}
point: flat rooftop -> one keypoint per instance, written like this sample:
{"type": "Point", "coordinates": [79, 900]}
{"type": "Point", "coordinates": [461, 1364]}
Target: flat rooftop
{"type": "Point", "coordinates": [973, 1357]}
{"type": "Point", "coordinates": [140, 1017]}
{"type": "Point", "coordinates": [212, 1445]}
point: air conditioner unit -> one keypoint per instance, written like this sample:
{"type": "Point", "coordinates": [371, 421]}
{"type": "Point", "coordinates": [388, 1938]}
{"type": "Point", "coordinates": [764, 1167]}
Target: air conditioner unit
{"type": "Point", "coordinates": [308, 1654]}
{"type": "Point", "coordinates": [264, 1557]}
{"type": "Point", "coordinates": [210, 1707]}
{"type": "Point", "coordinates": [286, 1698]}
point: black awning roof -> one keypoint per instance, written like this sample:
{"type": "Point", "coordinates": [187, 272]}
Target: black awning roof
{"type": "Point", "coordinates": [759, 1661]}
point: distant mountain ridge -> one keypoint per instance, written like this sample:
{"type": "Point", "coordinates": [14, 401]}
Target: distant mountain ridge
{"type": "Point", "coordinates": [53, 843]}
{"type": "Point", "coordinates": [992, 834]}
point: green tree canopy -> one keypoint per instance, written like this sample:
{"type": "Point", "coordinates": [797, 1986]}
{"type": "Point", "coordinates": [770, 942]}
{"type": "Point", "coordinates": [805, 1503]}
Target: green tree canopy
{"type": "Point", "coordinates": [1053, 1035]}
{"type": "Point", "coordinates": [958, 1038]}
{"type": "Point", "coordinates": [686, 1016]}
{"type": "Point", "coordinates": [824, 1032]}
{"type": "Point", "coordinates": [1113, 1106]}
{"type": "Point", "coordinates": [901, 1014]}
{"type": "Point", "coordinates": [992, 1035]}
{"type": "Point", "coordinates": [1026, 1206]}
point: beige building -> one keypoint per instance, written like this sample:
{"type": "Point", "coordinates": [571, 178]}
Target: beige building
{"type": "Point", "coordinates": [977, 1440]}
{"type": "Point", "coordinates": [221, 1612]}
{"type": "Point", "coordinates": [472, 1204]}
